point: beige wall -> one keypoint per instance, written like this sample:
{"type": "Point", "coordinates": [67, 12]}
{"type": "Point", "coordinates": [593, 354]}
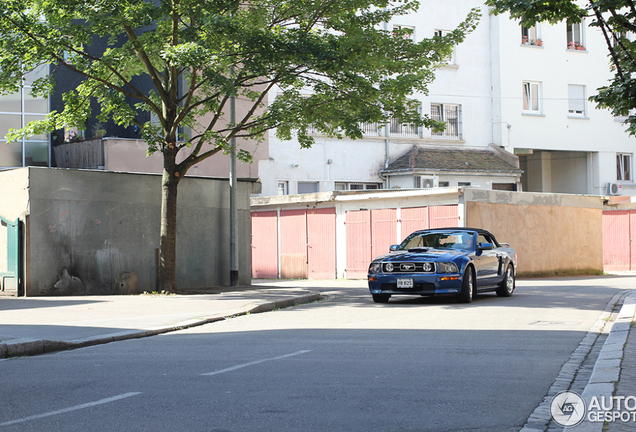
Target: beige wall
{"type": "Point", "coordinates": [14, 203]}
{"type": "Point", "coordinates": [129, 155]}
{"type": "Point", "coordinates": [548, 239]}
{"type": "Point", "coordinates": [14, 193]}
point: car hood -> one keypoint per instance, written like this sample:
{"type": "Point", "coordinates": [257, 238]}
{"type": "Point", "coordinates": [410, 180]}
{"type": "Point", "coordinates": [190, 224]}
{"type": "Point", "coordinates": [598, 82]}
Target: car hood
{"type": "Point", "coordinates": [442, 255]}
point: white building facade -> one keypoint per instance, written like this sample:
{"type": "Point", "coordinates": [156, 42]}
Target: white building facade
{"type": "Point", "coordinates": [506, 90]}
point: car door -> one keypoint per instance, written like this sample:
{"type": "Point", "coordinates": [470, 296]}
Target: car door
{"type": "Point", "coordinates": [486, 262]}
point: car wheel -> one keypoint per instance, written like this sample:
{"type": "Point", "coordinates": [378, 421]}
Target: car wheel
{"type": "Point", "coordinates": [381, 298]}
{"type": "Point", "coordinates": [468, 287]}
{"type": "Point", "coordinates": [507, 286]}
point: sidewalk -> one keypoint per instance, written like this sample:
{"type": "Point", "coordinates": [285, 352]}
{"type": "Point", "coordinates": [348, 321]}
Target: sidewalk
{"type": "Point", "coordinates": [41, 325]}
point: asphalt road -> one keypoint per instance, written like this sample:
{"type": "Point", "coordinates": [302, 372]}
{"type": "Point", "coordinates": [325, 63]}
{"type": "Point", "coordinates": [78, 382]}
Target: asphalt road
{"type": "Point", "coordinates": [344, 364]}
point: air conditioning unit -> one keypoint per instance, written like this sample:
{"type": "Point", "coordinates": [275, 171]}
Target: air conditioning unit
{"type": "Point", "coordinates": [427, 182]}
{"type": "Point", "coordinates": [614, 188]}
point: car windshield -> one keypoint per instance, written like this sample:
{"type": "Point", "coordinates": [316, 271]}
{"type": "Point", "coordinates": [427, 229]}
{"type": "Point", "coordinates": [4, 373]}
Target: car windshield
{"type": "Point", "coordinates": [439, 240]}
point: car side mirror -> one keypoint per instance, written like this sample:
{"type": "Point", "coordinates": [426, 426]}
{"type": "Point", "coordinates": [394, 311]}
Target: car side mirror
{"type": "Point", "coordinates": [393, 248]}
{"type": "Point", "coordinates": [485, 246]}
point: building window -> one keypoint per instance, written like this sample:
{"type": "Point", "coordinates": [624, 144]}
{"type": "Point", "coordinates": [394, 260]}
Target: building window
{"type": "Point", "coordinates": [617, 38]}
{"type": "Point", "coordinates": [426, 182]}
{"type": "Point", "coordinates": [283, 188]}
{"type": "Point", "coordinates": [16, 111]}
{"type": "Point", "coordinates": [404, 130]}
{"type": "Point", "coordinates": [343, 186]}
{"type": "Point", "coordinates": [576, 100]}
{"type": "Point", "coordinates": [396, 128]}
{"type": "Point", "coordinates": [530, 36]}
{"type": "Point", "coordinates": [505, 186]}
{"type": "Point", "coordinates": [624, 167]}
{"type": "Point", "coordinates": [307, 187]}
{"type": "Point", "coordinates": [370, 128]}
{"type": "Point", "coordinates": [450, 115]}
{"type": "Point", "coordinates": [408, 32]}
{"type": "Point", "coordinates": [452, 60]}
{"type": "Point", "coordinates": [531, 96]}
{"type": "Point", "coordinates": [575, 36]}
{"type": "Point", "coordinates": [463, 184]}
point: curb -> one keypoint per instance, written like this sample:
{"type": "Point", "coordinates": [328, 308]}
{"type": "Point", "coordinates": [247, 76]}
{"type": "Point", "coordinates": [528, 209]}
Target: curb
{"type": "Point", "coordinates": [30, 347]}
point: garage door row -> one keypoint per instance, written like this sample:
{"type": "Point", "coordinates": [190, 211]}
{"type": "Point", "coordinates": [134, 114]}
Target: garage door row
{"type": "Point", "coordinates": [619, 251]}
{"type": "Point", "coordinates": [304, 243]}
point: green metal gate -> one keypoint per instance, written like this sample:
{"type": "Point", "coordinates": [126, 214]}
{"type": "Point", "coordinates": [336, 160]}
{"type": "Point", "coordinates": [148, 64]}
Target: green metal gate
{"type": "Point", "coordinates": [10, 274]}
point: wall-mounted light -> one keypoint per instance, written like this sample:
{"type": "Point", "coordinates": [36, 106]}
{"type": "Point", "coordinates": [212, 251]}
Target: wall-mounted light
{"type": "Point", "coordinates": [329, 161]}
{"type": "Point", "coordinates": [294, 165]}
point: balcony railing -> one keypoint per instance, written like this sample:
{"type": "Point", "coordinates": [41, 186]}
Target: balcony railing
{"type": "Point", "coordinates": [396, 129]}
{"type": "Point", "coordinates": [84, 154]}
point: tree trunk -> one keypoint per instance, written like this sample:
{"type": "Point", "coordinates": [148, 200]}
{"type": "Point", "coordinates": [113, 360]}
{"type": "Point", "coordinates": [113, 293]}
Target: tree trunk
{"type": "Point", "coordinates": [168, 242]}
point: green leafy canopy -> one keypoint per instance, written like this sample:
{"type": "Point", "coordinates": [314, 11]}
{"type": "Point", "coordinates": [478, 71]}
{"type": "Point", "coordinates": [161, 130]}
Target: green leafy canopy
{"type": "Point", "coordinates": [330, 63]}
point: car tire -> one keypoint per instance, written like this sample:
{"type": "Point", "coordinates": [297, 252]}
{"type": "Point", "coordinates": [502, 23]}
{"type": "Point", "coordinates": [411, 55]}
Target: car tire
{"type": "Point", "coordinates": [468, 286]}
{"type": "Point", "coordinates": [381, 298]}
{"type": "Point", "coordinates": [507, 286]}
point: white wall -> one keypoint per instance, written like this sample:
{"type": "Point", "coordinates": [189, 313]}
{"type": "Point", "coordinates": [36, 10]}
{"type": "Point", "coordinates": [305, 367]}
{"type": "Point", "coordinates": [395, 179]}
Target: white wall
{"type": "Point", "coordinates": [491, 66]}
{"type": "Point", "coordinates": [554, 66]}
{"type": "Point", "coordinates": [466, 83]}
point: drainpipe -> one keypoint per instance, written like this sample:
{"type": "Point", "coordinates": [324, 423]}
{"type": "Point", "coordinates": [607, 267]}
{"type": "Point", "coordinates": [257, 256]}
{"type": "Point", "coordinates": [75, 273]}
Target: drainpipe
{"type": "Point", "coordinates": [386, 133]}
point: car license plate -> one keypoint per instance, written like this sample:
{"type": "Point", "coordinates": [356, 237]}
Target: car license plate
{"type": "Point", "coordinates": [405, 283]}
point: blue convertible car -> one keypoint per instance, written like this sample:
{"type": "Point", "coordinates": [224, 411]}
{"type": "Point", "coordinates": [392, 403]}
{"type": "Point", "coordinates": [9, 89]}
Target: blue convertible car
{"type": "Point", "coordinates": [459, 261]}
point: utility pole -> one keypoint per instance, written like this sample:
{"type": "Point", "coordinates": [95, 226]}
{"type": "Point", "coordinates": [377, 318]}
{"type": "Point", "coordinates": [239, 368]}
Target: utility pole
{"type": "Point", "coordinates": [234, 274]}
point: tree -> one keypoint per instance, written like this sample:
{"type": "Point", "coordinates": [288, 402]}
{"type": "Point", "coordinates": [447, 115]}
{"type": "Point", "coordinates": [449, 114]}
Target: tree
{"type": "Point", "coordinates": [616, 20]}
{"type": "Point", "coordinates": [330, 61]}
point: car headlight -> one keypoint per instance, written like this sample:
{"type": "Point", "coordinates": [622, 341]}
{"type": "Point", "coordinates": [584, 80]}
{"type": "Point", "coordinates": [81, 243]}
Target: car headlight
{"type": "Point", "coordinates": [444, 267]}
{"type": "Point", "coordinates": [375, 268]}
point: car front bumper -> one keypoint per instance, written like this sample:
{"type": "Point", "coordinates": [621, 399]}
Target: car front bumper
{"type": "Point", "coordinates": [423, 284]}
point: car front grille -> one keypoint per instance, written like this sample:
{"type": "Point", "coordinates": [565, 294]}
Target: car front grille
{"type": "Point", "coordinates": [408, 267]}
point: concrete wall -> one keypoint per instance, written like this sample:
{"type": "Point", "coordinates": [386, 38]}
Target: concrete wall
{"type": "Point", "coordinates": [96, 232]}
{"type": "Point", "coordinates": [551, 233]}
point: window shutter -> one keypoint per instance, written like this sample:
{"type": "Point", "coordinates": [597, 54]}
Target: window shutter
{"type": "Point", "coordinates": [576, 99]}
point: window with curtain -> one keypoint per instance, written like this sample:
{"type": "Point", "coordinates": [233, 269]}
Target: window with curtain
{"type": "Point", "coordinates": [624, 166]}
{"type": "Point", "coordinates": [531, 96]}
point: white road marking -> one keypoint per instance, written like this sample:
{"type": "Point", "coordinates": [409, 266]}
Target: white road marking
{"type": "Point", "coordinates": [233, 368]}
{"type": "Point", "coordinates": [75, 408]}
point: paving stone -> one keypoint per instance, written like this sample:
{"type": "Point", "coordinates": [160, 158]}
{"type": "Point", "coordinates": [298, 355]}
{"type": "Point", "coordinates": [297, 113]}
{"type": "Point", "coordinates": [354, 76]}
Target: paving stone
{"type": "Point", "coordinates": [627, 383]}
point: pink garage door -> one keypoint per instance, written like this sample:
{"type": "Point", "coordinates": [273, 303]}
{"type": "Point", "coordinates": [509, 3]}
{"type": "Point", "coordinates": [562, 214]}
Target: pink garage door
{"type": "Point", "coordinates": [321, 243]}
{"type": "Point", "coordinates": [383, 231]}
{"type": "Point", "coordinates": [293, 244]}
{"type": "Point", "coordinates": [413, 219]}
{"type": "Point", "coordinates": [264, 245]}
{"type": "Point", "coordinates": [443, 216]}
{"type": "Point", "coordinates": [358, 224]}
{"type": "Point", "coordinates": [619, 252]}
